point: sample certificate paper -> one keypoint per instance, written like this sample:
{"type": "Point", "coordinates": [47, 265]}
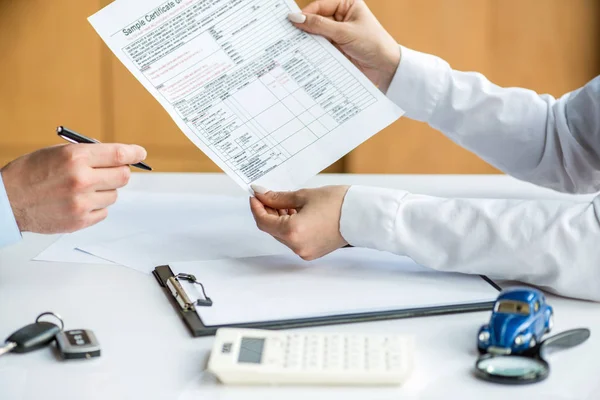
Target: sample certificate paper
{"type": "Point", "coordinates": [268, 103]}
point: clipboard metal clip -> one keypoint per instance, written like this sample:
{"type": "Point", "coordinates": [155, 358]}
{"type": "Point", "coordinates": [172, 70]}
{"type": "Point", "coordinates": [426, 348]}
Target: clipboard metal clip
{"type": "Point", "coordinates": [184, 301]}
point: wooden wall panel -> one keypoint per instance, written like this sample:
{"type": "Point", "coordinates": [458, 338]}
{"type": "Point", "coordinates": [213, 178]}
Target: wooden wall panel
{"type": "Point", "coordinates": [50, 73]}
{"type": "Point", "coordinates": [55, 70]}
{"type": "Point", "coordinates": [457, 31]}
{"type": "Point", "coordinates": [551, 46]}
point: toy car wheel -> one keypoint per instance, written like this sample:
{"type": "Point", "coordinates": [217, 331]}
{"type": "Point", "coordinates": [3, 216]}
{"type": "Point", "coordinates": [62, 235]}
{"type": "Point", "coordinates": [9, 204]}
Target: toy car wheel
{"type": "Point", "coordinates": [481, 350]}
{"type": "Point", "coordinates": [532, 343]}
{"type": "Point", "coordinates": [550, 322]}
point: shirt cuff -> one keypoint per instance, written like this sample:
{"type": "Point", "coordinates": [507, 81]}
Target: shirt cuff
{"type": "Point", "coordinates": [9, 231]}
{"type": "Point", "coordinates": [369, 216]}
{"type": "Point", "coordinates": [419, 83]}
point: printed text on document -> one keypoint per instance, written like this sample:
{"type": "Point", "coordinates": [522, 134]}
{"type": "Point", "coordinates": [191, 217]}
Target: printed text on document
{"type": "Point", "coordinates": [268, 103]}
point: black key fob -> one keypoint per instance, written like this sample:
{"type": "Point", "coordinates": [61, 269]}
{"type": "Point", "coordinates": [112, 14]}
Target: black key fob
{"type": "Point", "coordinates": [77, 344]}
{"type": "Point", "coordinates": [33, 336]}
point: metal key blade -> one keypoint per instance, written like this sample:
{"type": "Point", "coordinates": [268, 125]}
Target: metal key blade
{"type": "Point", "coordinates": [7, 348]}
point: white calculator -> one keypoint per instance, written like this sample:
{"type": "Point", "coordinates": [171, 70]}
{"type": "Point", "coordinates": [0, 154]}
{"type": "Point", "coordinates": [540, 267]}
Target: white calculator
{"type": "Point", "coordinates": [258, 357]}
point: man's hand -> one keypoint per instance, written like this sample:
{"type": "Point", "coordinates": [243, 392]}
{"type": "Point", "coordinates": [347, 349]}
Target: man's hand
{"type": "Point", "coordinates": [352, 27]}
{"type": "Point", "coordinates": [307, 221]}
{"type": "Point", "coordinates": [66, 188]}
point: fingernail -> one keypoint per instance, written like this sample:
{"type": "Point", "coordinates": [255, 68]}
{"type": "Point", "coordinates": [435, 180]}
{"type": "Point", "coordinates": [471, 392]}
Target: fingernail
{"type": "Point", "coordinates": [298, 18]}
{"type": "Point", "coordinates": [139, 149]}
{"type": "Point", "coordinates": [259, 189]}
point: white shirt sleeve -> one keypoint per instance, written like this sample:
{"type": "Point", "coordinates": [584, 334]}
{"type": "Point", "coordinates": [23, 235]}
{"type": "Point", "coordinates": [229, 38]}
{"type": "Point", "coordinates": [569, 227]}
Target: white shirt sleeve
{"type": "Point", "coordinates": [9, 231]}
{"type": "Point", "coordinates": [551, 244]}
{"type": "Point", "coordinates": [549, 142]}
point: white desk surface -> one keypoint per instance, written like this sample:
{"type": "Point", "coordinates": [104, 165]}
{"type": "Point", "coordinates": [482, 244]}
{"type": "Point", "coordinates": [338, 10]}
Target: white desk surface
{"type": "Point", "coordinates": [149, 354]}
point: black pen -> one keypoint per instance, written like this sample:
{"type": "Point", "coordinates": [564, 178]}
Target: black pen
{"type": "Point", "coordinates": [74, 137]}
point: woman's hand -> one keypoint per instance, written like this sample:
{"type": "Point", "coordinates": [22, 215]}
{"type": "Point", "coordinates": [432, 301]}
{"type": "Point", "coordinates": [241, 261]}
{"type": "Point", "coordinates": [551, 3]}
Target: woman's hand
{"type": "Point", "coordinates": [352, 28]}
{"type": "Point", "coordinates": [308, 221]}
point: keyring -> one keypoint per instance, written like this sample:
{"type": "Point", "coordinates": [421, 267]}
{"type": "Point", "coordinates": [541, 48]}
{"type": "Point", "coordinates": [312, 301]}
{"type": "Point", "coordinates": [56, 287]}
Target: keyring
{"type": "Point", "coordinates": [62, 323]}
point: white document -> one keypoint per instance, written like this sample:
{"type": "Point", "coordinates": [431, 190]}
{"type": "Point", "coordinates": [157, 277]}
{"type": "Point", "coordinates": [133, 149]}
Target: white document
{"type": "Point", "coordinates": [224, 233]}
{"type": "Point", "coordinates": [139, 212]}
{"type": "Point", "coordinates": [121, 219]}
{"type": "Point", "coordinates": [266, 102]}
{"type": "Point", "coordinates": [345, 282]}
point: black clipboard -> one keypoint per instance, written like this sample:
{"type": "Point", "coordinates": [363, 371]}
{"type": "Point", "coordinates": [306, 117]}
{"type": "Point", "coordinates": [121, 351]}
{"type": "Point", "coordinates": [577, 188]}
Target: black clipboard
{"type": "Point", "coordinates": [198, 329]}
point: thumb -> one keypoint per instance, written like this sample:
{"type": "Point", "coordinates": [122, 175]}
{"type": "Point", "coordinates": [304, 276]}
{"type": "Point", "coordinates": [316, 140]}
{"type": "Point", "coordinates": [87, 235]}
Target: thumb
{"type": "Point", "coordinates": [319, 25]}
{"type": "Point", "coordinates": [278, 200]}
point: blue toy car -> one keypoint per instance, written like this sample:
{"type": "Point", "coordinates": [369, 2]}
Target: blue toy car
{"type": "Point", "coordinates": [519, 320]}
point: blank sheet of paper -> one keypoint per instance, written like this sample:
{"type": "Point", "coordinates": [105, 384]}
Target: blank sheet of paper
{"type": "Point", "coordinates": [138, 212]}
{"type": "Point", "coordinates": [348, 281]}
{"type": "Point", "coordinates": [268, 103]}
{"type": "Point", "coordinates": [223, 232]}
{"type": "Point", "coordinates": [123, 218]}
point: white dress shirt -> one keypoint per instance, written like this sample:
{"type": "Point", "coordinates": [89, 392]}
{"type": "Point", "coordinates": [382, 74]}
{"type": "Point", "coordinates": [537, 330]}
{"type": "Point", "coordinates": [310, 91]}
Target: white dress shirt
{"type": "Point", "coordinates": [9, 231]}
{"type": "Point", "coordinates": [536, 138]}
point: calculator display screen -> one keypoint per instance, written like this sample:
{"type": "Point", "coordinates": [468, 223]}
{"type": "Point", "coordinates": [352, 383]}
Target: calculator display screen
{"type": "Point", "coordinates": [251, 350]}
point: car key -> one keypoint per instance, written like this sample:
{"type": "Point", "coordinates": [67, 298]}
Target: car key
{"type": "Point", "coordinates": [77, 344]}
{"type": "Point", "coordinates": [32, 337]}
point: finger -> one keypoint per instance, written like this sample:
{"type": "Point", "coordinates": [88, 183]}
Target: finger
{"type": "Point", "coordinates": [324, 26]}
{"type": "Point", "coordinates": [265, 221]}
{"type": "Point", "coordinates": [272, 211]}
{"type": "Point", "coordinates": [292, 211]}
{"type": "Point", "coordinates": [103, 199]}
{"type": "Point", "coordinates": [111, 178]}
{"type": "Point", "coordinates": [325, 8]}
{"type": "Point", "coordinates": [338, 10]}
{"type": "Point", "coordinates": [97, 216]}
{"type": "Point", "coordinates": [260, 212]}
{"type": "Point", "coordinates": [90, 219]}
{"type": "Point", "coordinates": [103, 155]}
{"type": "Point", "coordinates": [281, 200]}
{"type": "Point", "coordinates": [282, 212]}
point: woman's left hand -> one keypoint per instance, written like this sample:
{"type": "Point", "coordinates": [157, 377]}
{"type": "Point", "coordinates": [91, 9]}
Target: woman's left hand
{"type": "Point", "coordinates": [307, 221]}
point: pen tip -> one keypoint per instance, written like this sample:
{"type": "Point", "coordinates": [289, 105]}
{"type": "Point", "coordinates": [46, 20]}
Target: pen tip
{"type": "Point", "coordinates": [59, 129]}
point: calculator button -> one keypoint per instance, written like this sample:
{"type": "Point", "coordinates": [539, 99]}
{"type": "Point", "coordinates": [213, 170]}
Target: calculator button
{"type": "Point", "coordinates": [394, 343]}
{"type": "Point", "coordinates": [315, 347]}
{"type": "Point", "coordinates": [274, 352]}
{"type": "Point", "coordinates": [295, 345]}
{"type": "Point", "coordinates": [378, 351]}
{"type": "Point", "coordinates": [333, 362]}
{"type": "Point", "coordinates": [375, 361]}
{"type": "Point", "coordinates": [376, 345]}
{"type": "Point", "coordinates": [293, 349]}
{"type": "Point", "coordinates": [356, 361]}
{"type": "Point", "coordinates": [331, 352]}
{"type": "Point", "coordinates": [335, 342]}
{"type": "Point", "coordinates": [313, 362]}
{"type": "Point", "coordinates": [293, 360]}
{"type": "Point", "coordinates": [394, 361]}
{"type": "Point", "coordinates": [352, 341]}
